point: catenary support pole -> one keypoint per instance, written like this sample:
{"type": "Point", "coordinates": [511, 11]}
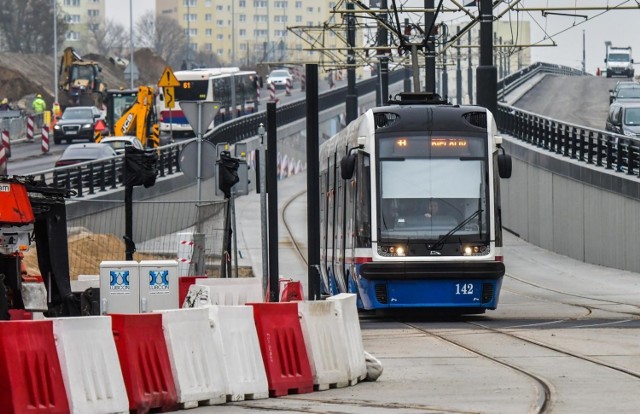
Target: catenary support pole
{"type": "Point", "coordinates": [272, 200]}
{"type": "Point", "coordinates": [313, 178]}
{"type": "Point", "coordinates": [352, 91]}
{"type": "Point", "coordinates": [486, 74]}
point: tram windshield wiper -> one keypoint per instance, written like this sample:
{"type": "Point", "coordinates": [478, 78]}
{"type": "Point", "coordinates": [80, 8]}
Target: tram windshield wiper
{"type": "Point", "coordinates": [444, 238]}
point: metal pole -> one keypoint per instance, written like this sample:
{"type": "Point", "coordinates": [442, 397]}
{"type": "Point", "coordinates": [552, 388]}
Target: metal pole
{"type": "Point", "coordinates": [352, 92]}
{"type": "Point", "coordinates": [430, 63]}
{"type": "Point", "coordinates": [486, 74]}
{"type": "Point", "coordinates": [313, 178]}
{"type": "Point", "coordinates": [199, 175]}
{"type": "Point", "coordinates": [458, 72]}
{"type": "Point", "coordinates": [131, 43]}
{"type": "Point", "coordinates": [584, 53]}
{"type": "Point", "coordinates": [383, 40]}
{"type": "Point", "coordinates": [55, 52]}
{"type": "Point", "coordinates": [272, 199]}
{"type": "Point", "coordinates": [445, 75]}
{"type": "Point", "coordinates": [470, 72]}
{"type": "Point", "coordinates": [263, 210]}
{"type": "Point", "coordinates": [233, 228]}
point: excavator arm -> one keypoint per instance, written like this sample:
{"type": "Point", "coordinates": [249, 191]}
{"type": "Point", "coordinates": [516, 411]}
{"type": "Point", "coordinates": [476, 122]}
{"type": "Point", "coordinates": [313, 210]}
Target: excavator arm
{"type": "Point", "coordinates": [140, 119]}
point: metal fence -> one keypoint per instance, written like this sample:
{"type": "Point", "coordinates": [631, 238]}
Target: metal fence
{"type": "Point", "coordinates": [156, 233]}
{"type": "Point", "coordinates": [596, 147]}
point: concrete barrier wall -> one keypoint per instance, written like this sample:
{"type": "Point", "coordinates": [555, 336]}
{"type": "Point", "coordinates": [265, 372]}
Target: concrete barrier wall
{"type": "Point", "coordinates": [574, 209]}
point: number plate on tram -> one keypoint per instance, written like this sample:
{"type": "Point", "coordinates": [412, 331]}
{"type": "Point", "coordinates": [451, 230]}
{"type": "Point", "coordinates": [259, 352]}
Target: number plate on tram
{"type": "Point", "coordinates": [466, 292]}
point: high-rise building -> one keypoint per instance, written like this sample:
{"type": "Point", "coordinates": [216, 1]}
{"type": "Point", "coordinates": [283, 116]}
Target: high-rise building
{"type": "Point", "coordinates": [247, 32]}
{"type": "Point", "coordinates": [82, 16]}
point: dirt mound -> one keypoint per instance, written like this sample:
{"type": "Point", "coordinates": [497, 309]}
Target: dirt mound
{"type": "Point", "coordinates": [23, 75]}
{"type": "Point", "coordinates": [86, 251]}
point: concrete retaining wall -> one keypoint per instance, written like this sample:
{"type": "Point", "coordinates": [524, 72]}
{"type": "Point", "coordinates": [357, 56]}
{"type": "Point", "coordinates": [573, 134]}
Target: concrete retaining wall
{"type": "Point", "coordinates": [574, 209]}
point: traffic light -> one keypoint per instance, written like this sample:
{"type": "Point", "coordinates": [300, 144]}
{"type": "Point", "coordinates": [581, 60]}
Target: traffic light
{"type": "Point", "coordinates": [227, 173]}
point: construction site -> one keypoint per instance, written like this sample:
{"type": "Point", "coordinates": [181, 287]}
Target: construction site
{"type": "Point", "coordinates": [22, 75]}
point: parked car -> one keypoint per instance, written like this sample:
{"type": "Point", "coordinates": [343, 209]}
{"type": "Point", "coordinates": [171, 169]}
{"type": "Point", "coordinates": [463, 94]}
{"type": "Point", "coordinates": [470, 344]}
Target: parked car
{"type": "Point", "coordinates": [76, 122]}
{"type": "Point", "coordinates": [279, 77]}
{"type": "Point", "coordinates": [119, 143]}
{"type": "Point", "coordinates": [624, 118]}
{"type": "Point", "coordinates": [619, 85]}
{"type": "Point", "coordinates": [77, 153]}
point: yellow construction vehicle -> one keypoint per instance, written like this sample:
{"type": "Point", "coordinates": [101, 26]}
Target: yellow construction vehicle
{"type": "Point", "coordinates": [79, 81]}
{"type": "Point", "coordinates": [137, 118]}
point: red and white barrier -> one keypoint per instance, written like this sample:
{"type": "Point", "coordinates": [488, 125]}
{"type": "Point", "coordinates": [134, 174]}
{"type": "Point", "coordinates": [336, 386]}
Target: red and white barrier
{"type": "Point", "coordinates": [6, 143]}
{"type": "Point", "coordinates": [272, 91]}
{"type": "Point", "coordinates": [90, 367]}
{"type": "Point", "coordinates": [30, 126]}
{"type": "Point", "coordinates": [258, 93]}
{"type": "Point", "coordinates": [188, 356]}
{"type": "Point", "coordinates": [303, 82]}
{"type": "Point", "coordinates": [288, 87]}
{"type": "Point", "coordinates": [3, 161]}
{"type": "Point", "coordinates": [45, 139]}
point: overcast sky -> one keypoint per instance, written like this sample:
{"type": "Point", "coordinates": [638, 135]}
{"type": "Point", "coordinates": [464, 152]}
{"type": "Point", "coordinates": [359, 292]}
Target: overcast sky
{"type": "Point", "coordinates": [621, 27]}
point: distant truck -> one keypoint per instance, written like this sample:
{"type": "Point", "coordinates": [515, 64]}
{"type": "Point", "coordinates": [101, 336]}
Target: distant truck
{"type": "Point", "coordinates": [619, 61]}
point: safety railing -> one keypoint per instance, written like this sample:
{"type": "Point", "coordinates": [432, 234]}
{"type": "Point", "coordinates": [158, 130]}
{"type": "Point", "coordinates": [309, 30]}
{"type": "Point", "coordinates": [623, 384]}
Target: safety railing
{"type": "Point", "coordinates": [596, 147]}
{"type": "Point", "coordinates": [92, 177]}
{"type": "Point", "coordinates": [592, 146]}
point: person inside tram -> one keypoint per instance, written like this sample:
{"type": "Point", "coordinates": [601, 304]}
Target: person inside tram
{"type": "Point", "coordinates": [433, 209]}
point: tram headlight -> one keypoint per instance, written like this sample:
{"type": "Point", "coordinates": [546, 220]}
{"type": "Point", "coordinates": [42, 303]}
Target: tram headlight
{"type": "Point", "coordinates": [474, 250]}
{"type": "Point", "coordinates": [392, 251]}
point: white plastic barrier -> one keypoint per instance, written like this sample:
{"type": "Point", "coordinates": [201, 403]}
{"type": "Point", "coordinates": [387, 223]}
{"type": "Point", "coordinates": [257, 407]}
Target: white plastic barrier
{"type": "Point", "coordinates": [348, 318]}
{"type": "Point", "coordinates": [198, 296]}
{"type": "Point", "coordinates": [233, 291]}
{"type": "Point", "coordinates": [325, 344]}
{"type": "Point", "coordinates": [90, 365]}
{"type": "Point", "coordinates": [234, 328]}
{"type": "Point", "coordinates": [197, 371]}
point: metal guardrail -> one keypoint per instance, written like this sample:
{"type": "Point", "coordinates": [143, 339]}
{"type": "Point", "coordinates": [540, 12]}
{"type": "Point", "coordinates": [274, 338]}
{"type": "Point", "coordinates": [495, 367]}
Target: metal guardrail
{"type": "Point", "coordinates": [92, 177]}
{"type": "Point", "coordinates": [591, 146]}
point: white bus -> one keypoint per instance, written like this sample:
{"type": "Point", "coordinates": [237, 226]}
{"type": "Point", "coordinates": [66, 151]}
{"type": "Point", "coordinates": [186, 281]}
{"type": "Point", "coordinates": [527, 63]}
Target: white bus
{"type": "Point", "coordinates": [208, 84]}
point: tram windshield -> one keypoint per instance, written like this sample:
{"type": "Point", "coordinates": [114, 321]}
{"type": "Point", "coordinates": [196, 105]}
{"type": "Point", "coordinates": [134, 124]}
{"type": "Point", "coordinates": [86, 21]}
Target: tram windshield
{"type": "Point", "coordinates": [433, 189]}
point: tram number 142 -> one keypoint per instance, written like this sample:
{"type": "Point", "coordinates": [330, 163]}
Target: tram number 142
{"type": "Point", "coordinates": [464, 289]}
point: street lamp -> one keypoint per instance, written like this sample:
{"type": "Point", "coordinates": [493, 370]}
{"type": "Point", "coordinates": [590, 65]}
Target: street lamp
{"type": "Point", "coordinates": [263, 208]}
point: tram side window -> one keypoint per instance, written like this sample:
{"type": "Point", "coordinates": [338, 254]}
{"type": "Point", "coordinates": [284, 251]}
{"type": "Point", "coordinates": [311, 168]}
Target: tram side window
{"type": "Point", "coordinates": [363, 201]}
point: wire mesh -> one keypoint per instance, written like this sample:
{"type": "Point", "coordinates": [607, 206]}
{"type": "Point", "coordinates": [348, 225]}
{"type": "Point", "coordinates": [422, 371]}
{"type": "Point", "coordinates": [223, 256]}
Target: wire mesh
{"type": "Point", "coordinates": [99, 236]}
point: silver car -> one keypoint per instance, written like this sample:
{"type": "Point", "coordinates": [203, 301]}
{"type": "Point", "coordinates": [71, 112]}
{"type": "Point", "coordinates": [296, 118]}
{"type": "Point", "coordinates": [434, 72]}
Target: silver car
{"type": "Point", "coordinates": [279, 78]}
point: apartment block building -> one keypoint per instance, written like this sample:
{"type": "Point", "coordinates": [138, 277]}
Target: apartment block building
{"type": "Point", "coordinates": [81, 15]}
{"type": "Point", "coordinates": [246, 32]}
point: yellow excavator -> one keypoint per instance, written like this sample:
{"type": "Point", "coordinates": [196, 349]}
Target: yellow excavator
{"type": "Point", "coordinates": [79, 81]}
{"type": "Point", "coordinates": [132, 112]}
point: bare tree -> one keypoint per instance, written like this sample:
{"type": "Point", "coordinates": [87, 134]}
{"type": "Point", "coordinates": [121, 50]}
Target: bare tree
{"type": "Point", "coordinates": [163, 35]}
{"type": "Point", "coordinates": [112, 38]}
{"type": "Point", "coordinates": [26, 26]}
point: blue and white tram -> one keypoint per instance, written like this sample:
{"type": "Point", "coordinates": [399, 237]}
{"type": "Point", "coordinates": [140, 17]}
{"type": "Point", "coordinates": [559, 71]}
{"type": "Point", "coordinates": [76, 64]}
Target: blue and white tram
{"type": "Point", "coordinates": [410, 207]}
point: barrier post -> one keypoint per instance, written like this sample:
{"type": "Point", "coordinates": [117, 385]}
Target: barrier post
{"type": "Point", "coordinates": [303, 83]}
{"type": "Point", "coordinates": [6, 143]}
{"type": "Point", "coordinates": [3, 161]}
{"type": "Point", "coordinates": [45, 139]}
{"type": "Point", "coordinates": [288, 87]}
{"type": "Point", "coordinates": [272, 91]}
{"type": "Point", "coordinates": [29, 128]}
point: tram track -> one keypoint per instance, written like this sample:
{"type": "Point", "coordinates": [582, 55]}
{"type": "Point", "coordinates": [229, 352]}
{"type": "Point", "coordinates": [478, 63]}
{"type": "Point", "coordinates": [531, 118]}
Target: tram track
{"type": "Point", "coordinates": [545, 394]}
{"type": "Point", "coordinates": [590, 307]}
